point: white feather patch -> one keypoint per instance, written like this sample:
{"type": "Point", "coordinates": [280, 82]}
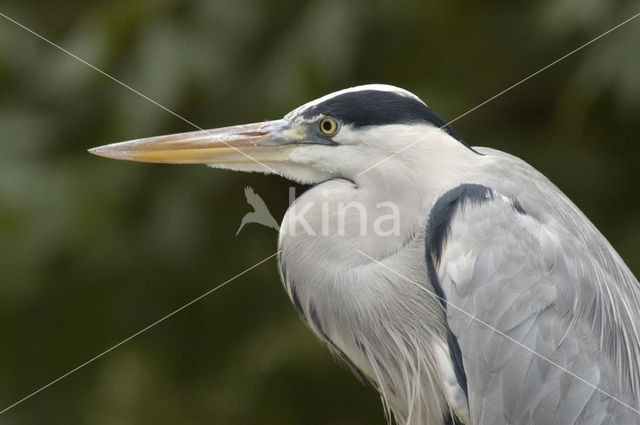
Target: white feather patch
{"type": "Point", "coordinates": [454, 395]}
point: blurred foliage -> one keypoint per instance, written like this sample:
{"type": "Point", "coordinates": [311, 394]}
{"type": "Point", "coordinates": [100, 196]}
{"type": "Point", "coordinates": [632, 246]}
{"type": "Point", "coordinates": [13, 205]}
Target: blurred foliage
{"type": "Point", "coordinates": [93, 250]}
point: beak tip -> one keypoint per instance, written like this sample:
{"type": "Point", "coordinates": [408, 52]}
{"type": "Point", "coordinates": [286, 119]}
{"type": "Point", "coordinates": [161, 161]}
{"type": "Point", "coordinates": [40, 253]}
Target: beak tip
{"type": "Point", "coordinates": [98, 151]}
{"type": "Point", "coordinates": [104, 152]}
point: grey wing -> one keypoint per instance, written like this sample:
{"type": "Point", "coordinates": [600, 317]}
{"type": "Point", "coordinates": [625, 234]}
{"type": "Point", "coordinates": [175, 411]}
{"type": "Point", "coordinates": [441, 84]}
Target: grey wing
{"type": "Point", "coordinates": [522, 304]}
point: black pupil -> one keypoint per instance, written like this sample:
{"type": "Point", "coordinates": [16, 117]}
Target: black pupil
{"type": "Point", "coordinates": [327, 126]}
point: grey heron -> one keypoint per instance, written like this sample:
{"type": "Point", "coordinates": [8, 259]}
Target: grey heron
{"type": "Point", "coordinates": [458, 280]}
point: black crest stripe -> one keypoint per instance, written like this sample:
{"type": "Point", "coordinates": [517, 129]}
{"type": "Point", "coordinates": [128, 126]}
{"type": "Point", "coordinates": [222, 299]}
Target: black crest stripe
{"type": "Point", "coordinates": [363, 108]}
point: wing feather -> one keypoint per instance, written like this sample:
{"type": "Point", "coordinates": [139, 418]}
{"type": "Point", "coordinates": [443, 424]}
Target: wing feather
{"type": "Point", "coordinates": [512, 284]}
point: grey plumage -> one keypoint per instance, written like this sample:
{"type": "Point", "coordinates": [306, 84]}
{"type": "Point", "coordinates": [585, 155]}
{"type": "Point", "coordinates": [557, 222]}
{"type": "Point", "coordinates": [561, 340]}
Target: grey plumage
{"type": "Point", "coordinates": [525, 261]}
{"type": "Point", "coordinates": [492, 299]}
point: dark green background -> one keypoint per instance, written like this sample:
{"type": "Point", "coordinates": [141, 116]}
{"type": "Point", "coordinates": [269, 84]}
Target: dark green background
{"type": "Point", "coordinates": [93, 250]}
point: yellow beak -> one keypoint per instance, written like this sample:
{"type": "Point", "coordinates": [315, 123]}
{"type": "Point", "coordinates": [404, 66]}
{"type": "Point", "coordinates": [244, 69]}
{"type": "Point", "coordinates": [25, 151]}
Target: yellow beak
{"type": "Point", "coordinates": [257, 143]}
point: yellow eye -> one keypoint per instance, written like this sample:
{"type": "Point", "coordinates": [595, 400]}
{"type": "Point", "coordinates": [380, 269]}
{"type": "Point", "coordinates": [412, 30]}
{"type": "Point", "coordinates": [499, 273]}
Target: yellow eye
{"type": "Point", "coordinates": [328, 126]}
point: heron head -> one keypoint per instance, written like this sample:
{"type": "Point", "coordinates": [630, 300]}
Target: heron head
{"type": "Point", "coordinates": [343, 134]}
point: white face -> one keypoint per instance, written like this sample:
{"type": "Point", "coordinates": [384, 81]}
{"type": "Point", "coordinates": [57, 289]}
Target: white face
{"type": "Point", "coordinates": [334, 147]}
{"type": "Point", "coordinates": [386, 154]}
{"type": "Point", "coordinates": [354, 151]}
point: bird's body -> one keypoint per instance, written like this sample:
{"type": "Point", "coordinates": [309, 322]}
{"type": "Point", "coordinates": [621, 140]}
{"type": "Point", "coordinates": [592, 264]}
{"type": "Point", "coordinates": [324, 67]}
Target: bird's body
{"type": "Point", "coordinates": [459, 281]}
{"type": "Point", "coordinates": [355, 304]}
